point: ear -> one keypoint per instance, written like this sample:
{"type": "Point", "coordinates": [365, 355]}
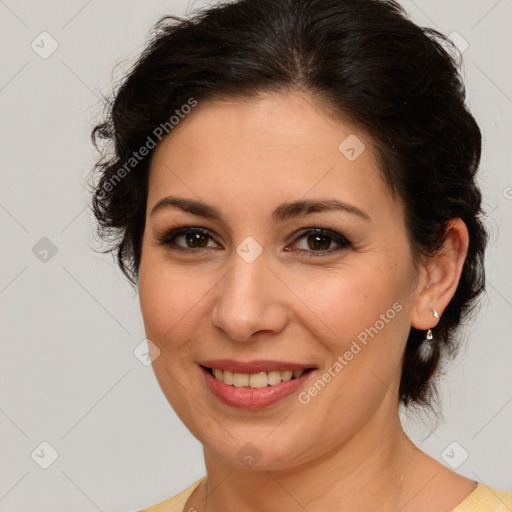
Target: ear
{"type": "Point", "coordinates": [439, 276]}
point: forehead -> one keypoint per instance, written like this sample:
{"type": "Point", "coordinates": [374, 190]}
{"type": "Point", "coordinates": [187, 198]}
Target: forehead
{"type": "Point", "coordinates": [266, 149]}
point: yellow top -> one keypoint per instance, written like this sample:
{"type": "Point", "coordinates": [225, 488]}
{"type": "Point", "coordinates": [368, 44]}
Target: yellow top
{"type": "Point", "coordinates": [483, 499]}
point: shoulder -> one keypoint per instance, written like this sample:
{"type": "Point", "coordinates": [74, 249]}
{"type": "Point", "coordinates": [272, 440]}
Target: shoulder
{"type": "Point", "coordinates": [486, 499]}
{"type": "Point", "coordinates": [176, 503]}
{"type": "Point", "coordinates": [483, 499]}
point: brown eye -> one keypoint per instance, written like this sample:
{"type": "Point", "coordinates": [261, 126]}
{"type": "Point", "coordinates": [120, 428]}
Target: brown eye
{"type": "Point", "coordinates": [319, 241]}
{"type": "Point", "coordinates": [196, 240]}
{"type": "Point", "coordinates": [188, 239]}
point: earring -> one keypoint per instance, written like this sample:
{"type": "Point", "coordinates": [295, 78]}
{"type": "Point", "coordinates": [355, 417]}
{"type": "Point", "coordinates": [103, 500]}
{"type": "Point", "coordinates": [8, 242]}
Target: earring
{"type": "Point", "coordinates": [427, 347]}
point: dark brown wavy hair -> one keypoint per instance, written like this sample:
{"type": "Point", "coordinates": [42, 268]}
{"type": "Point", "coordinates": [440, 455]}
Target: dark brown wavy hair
{"type": "Point", "coordinates": [367, 62]}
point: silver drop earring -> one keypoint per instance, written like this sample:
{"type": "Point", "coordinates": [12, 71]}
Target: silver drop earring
{"type": "Point", "coordinates": [427, 347]}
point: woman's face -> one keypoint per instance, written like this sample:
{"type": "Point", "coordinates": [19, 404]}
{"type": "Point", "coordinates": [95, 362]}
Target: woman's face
{"type": "Point", "coordinates": [264, 279]}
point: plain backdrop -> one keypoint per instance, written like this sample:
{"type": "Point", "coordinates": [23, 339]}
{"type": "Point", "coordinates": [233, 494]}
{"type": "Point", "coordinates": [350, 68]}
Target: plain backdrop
{"type": "Point", "coordinates": [70, 321]}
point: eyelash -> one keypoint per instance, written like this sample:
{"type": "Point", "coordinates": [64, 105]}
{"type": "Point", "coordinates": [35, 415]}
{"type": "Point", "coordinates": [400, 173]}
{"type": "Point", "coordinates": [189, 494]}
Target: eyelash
{"type": "Point", "coordinates": [169, 238]}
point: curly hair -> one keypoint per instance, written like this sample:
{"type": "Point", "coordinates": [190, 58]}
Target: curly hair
{"type": "Point", "coordinates": [368, 63]}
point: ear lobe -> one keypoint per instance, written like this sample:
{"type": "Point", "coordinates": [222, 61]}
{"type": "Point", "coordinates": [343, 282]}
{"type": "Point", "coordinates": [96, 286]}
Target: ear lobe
{"type": "Point", "coordinates": [440, 276]}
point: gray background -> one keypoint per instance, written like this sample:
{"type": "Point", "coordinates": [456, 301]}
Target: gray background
{"type": "Point", "coordinates": [70, 321]}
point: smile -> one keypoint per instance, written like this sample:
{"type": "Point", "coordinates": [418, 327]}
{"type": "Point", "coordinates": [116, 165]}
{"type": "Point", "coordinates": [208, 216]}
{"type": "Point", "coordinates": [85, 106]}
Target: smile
{"type": "Point", "coordinates": [255, 380]}
{"type": "Point", "coordinates": [253, 385]}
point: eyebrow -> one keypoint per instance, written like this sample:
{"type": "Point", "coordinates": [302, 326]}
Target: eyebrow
{"type": "Point", "coordinates": [281, 213]}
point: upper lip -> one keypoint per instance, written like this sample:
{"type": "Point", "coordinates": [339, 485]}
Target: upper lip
{"type": "Point", "coordinates": [254, 366]}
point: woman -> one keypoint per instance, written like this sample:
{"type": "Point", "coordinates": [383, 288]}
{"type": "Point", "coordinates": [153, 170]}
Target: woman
{"type": "Point", "coordinates": [294, 188]}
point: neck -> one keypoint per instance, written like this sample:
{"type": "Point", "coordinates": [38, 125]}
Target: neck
{"type": "Point", "coordinates": [368, 468]}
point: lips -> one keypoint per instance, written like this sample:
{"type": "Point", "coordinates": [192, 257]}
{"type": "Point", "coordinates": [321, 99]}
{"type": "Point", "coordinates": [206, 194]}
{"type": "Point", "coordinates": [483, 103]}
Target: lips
{"type": "Point", "coordinates": [253, 366]}
{"type": "Point", "coordinates": [253, 384]}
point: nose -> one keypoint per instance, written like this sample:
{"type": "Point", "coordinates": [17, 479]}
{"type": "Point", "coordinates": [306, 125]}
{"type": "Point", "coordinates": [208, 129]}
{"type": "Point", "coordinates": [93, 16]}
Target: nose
{"type": "Point", "coordinates": [249, 301]}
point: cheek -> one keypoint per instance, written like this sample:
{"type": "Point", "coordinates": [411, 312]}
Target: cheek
{"type": "Point", "coordinates": [154, 303]}
{"type": "Point", "coordinates": [167, 306]}
{"type": "Point", "coordinates": [360, 316]}
{"type": "Point", "coordinates": [164, 301]}
{"type": "Point", "coordinates": [346, 302]}
{"type": "Point", "coordinates": [175, 302]}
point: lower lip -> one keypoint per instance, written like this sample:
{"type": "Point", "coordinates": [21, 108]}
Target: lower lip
{"type": "Point", "coordinates": [252, 398]}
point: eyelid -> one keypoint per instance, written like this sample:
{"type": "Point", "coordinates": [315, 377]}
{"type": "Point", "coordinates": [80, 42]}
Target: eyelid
{"type": "Point", "coordinates": [342, 241]}
{"type": "Point", "coordinates": [168, 237]}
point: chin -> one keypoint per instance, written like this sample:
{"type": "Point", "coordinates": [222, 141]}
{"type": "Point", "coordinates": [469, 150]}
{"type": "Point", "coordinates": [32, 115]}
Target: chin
{"type": "Point", "coordinates": [257, 452]}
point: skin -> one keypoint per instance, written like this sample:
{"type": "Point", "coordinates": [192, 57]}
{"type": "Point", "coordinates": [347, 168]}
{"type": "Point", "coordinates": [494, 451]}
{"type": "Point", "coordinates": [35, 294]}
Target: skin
{"type": "Point", "coordinates": [345, 449]}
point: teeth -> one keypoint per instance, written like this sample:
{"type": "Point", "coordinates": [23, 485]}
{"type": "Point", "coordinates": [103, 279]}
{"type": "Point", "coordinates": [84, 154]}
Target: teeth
{"type": "Point", "coordinates": [255, 380]}
{"type": "Point", "coordinates": [258, 380]}
{"type": "Point", "coordinates": [287, 375]}
{"type": "Point", "coordinates": [239, 379]}
{"type": "Point", "coordinates": [273, 378]}
{"type": "Point", "coordinates": [227, 378]}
